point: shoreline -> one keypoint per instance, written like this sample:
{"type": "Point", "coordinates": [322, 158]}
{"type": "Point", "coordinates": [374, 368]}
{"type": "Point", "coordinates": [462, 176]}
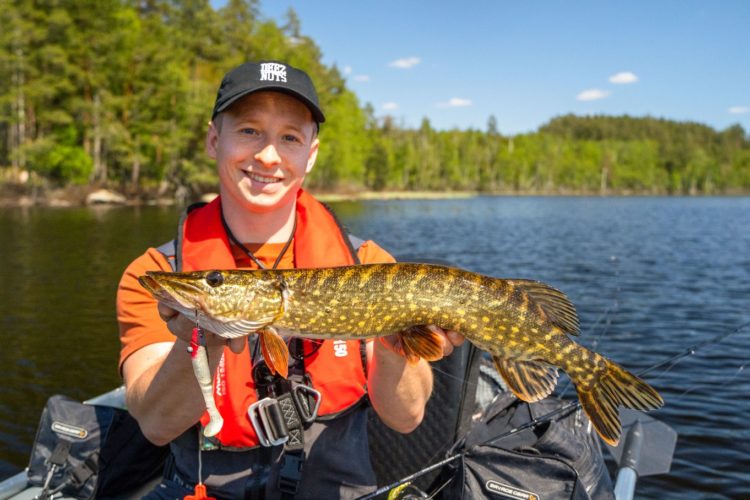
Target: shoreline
{"type": "Point", "coordinates": [80, 196]}
{"type": "Point", "coordinates": [393, 195]}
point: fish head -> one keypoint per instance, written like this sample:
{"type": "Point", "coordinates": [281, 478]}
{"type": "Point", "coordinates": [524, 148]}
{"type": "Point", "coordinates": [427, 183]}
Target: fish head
{"type": "Point", "coordinates": [229, 303]}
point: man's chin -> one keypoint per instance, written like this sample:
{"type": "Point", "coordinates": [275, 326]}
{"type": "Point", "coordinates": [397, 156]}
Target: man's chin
{"type": "Point", "coordinates": [265, 202]}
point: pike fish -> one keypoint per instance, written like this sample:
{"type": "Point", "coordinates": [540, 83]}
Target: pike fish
{"type": "Point", "coordinates": [526, 326]}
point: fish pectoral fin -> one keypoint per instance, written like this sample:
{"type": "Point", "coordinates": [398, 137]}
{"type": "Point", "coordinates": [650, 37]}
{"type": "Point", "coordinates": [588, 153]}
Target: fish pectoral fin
{"type": "Point", "coordinates": [275, 351]}
{"type": "Point", "coordinates": [420, 341]}
{"type": "Point", "coordinates": [529, 380]}
{"type": "Point", "coordinates": [556, 305]}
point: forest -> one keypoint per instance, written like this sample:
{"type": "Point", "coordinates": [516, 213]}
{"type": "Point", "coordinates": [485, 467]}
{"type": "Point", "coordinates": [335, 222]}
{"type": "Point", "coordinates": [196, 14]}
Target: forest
{"type": "Point", "coordinates": [118, 94]}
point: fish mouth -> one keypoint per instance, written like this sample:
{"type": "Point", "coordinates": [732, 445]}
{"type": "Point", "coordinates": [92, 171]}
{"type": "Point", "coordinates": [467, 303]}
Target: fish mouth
{"type": "Point", "coordinates": [150, 284]}
{"type": "Point", "coordinates": [172, 290]}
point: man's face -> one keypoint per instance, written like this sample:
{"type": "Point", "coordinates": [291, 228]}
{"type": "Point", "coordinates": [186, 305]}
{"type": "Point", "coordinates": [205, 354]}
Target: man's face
{"type": "Point", "coordinates": [264, 146]}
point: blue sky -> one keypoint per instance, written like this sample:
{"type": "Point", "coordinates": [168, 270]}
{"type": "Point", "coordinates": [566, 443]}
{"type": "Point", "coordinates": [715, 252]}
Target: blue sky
{"type": "Point", "coordinates": [456, 63]}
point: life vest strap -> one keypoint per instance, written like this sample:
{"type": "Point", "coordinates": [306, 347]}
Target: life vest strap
{"type": "Point", "coordinates": [282, 419]}
{"type": "Point", "coordinates": [290, 473]}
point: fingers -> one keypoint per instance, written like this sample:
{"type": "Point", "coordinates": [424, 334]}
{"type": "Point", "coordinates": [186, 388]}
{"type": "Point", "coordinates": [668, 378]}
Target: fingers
{"type": "Point", "coordinates": [447, 346]}
{"type": "Point", "coordinates": [392, 343]}
{"type": "Point", "coordinates": [166, 313]}
{"type": "Point", "coordinates": [179, 325]}
{"type": "Point", "coordinates": [455, 338]}
{"type": "Point", "coordinates": [451, 339]}
{"type": "Point", "coordinates": [182, 327]}
{"type": "Point", "coordinates": [237, 345]}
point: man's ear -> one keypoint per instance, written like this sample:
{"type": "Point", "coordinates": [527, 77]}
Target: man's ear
{"type": "Point", "coordinates": [212, 137]}
{"type": "Point", "coordinates": [312, 156]}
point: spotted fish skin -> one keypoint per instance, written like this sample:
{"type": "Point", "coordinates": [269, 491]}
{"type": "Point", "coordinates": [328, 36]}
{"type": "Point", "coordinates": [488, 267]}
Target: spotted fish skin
{"type": "Point", "coordinates": [525, 325]}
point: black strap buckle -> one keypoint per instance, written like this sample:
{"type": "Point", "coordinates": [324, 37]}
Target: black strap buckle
{"type": "Point", "coordinates": [85, 470]}
{"type": "Point", "coordinates": [290, 473]}
{"type": "Point", "coordinates": [268, 422]}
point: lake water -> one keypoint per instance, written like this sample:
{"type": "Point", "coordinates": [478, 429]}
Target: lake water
{"type": "Point", "coordinates": [650, 278]}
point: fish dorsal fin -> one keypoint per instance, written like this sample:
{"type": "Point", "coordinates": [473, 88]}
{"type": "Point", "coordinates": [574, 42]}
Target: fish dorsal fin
{"type": "Point", "coordinates": [556, 305]}
{"type": "Point", "coordinates": [275, 351]}
{"type": "Point", "coordinates": [420, 342]}
{"type": "Point", "coordinates": [531, 381]}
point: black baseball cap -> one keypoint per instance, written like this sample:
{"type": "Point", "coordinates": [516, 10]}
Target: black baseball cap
{"type": "Point", "coordinates": [267, 75]}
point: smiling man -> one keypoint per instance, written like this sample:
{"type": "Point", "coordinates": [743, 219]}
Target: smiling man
{"type": "Point", "coordinates": [264, 138]}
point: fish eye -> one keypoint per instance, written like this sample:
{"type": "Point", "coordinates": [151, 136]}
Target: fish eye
{"type": "Point", "coordinates": [214, 278]}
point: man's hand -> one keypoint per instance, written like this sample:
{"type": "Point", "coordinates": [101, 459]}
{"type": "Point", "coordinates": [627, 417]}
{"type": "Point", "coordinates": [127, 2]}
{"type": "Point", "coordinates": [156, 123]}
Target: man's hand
{"type": "Point", "coordinates": [182, 328]}
{"type": "Point", "coordinates": [160, 380]}
{"type": "Point", "coordinates": [399, 390]}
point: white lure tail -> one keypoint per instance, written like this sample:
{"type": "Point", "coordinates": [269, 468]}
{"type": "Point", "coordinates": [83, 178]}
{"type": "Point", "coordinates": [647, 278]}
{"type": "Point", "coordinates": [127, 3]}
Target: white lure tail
{"type": "Point", "coordinates": [199, 359]}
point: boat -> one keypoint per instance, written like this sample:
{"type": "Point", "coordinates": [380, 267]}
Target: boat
{"type": "Point", "coordinates": [17, 487]}
{"type": "Point", "coordinates": [420, 459]}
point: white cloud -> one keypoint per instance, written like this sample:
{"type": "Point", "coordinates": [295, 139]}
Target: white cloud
{"type": "Point", "coordinates": [405, 63]}
{"type": "Point", "coordinates": [739, 110]}
{"type": "Point", "coordinates": [592, 95]}
{"type": "Point", "coordinates": [623, 78]}
{"type": "Point", "coordinates": [455, 102]}
{"type": "Point", "coordinates": [361, 78]}
{"type": "Point", "coordinates": [390, 106]}
{"type": "Point", "coordinates": [347, 70]}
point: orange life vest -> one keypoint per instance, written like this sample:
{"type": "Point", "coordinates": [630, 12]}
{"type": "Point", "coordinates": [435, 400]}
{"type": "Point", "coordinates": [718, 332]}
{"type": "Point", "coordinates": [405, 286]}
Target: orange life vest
{"type": "Point", "coordinates": [335, 369]}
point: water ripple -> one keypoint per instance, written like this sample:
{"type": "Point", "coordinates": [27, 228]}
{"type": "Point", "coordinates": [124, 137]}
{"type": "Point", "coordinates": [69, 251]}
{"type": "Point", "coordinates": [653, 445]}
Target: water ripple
{"type": "Point", "coordinates": [650, 277]}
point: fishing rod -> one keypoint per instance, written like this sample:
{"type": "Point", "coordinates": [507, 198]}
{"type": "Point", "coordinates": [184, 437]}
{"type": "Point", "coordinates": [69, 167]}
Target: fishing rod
{"type": "Point", "coordinates": [602, 317]}
{"type": "Point", "coordinates": [532, 423]}
{"type": "Point", "coordinates": [547, 417]}
{"type": "Point", "coordinates": [695, 347]}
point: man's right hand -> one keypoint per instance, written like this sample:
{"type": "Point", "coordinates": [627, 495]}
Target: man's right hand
{"type": "Point", "coordinates": [182, 328]}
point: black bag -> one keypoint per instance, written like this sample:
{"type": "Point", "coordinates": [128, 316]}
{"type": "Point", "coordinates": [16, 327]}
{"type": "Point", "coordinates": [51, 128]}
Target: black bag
{"type": "Point", "coordinates": [558, 459]}
{"type": "Point", "coordinates": [91, 451]}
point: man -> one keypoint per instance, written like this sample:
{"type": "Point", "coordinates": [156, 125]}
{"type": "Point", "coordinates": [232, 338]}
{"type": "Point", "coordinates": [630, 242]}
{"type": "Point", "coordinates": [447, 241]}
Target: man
{"type": "Point", "coordinates": [263, 136]}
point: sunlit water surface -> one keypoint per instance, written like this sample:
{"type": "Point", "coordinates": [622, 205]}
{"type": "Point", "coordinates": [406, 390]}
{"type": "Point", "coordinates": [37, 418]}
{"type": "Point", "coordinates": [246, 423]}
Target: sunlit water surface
{"type": "Point", "coordinates": [650, 277]}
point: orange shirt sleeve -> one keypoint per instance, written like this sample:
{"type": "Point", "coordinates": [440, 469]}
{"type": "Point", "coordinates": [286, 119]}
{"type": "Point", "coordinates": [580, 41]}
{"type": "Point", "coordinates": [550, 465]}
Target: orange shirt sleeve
{"type": "Point", "coordinates": [137, 316]}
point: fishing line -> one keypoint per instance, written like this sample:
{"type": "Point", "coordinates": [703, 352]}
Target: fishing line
{"type": "Point", "coordinates": [603, 317]}
{"type": "Point", "coordinates": [454, 377]}
{"type": "Point", "coordinates": [570, 406]}
{"type": "Point", "coordinates": [689, 351]}
{"type": "Point", "coordinates": [544, 418]}
{"type": "Point", "coordinates": [693, 387]}
{"type": "Point", "coordinates": [607, 312]}
{"type": "Point", "coordinates": [471, 385]}
{"type": "Point", "coordinates": [607, 315]}
{"type": "Point", "coordinates": [615, 306]}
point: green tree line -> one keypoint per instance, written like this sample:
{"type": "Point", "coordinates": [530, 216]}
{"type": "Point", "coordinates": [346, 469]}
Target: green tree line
{"type": "Point", "coordinates": [119, 93]}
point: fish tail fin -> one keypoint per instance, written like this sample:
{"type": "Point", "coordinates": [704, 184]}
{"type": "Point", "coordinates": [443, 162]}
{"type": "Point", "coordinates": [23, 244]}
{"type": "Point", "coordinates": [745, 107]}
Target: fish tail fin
{"type": "Point", "coordinates": [607, 388]}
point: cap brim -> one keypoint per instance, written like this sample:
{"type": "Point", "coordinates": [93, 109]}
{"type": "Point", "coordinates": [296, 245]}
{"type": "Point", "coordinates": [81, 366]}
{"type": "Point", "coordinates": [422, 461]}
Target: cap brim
{"type": "Point", "coordinates": [317, 114]}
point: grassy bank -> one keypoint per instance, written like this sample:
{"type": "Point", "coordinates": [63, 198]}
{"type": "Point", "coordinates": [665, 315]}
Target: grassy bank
{"type": "Point", "coordinates": [393, 195]}
{"type": "Point", "coordinates": [26, 195]}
